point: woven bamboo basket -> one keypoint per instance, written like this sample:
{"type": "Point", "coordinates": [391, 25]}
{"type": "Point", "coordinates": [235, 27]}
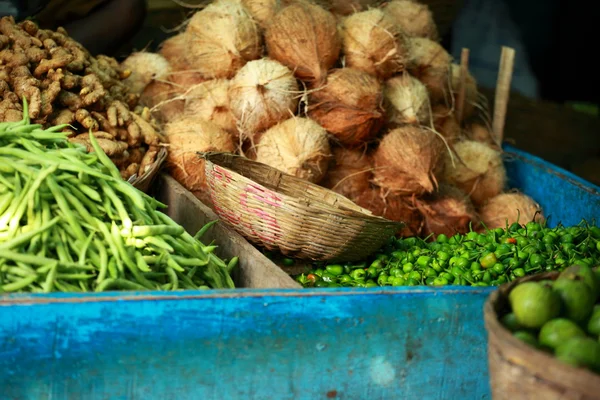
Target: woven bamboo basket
{"type": "Point", "coordinates": [284, 213]}
{"type": "Point", "coordinates": [144, 182]}
{"type": "Point", "coordinates": [520, 372]}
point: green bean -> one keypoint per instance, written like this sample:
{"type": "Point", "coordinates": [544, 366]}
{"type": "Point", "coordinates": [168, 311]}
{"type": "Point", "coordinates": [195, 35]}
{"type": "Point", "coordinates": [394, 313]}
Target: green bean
{"type": "Point", "coordinates": [172, 278]}
{"type": "Point", "coordinates": [204, 229]}
{"type": "Point", "coordinates": [232, 264]}
{"type": "Point", "coordinates": [124, 216]}
{"type": "Point", "coordinates": [20, 284]}
{"type": "Point", "coordinates": [103, 261]}
{"type": "Point", "coordinates": [17, 241]}
{"type": "Point", "coordinates": [50, 278]}
{"type": "Point", "coordinates": [155, 230]}
{"type": "Point", "coordinates": [84, 248]}
{"type": "Point", "coordinates": [74, 277]}
{"type": "Point", "coordinates": [66, 287]}
{"type": "Point", "coordinates": [17, 271]}
{"type": "Point", "coordinates": [112, 246]}
{"type": "Point", "coordinates": [103, 158]}
{"type": "Point", "coordinates": [62, 204]}
{"type": "Point", "coordinates": [173, 264]}
{"type": "Point", "coordinates": [113, 270]}
{"type": "Point", "coordinates": [85, 200]}
{"type": "Point", "coordinates": [120, 283]}
{"type": "Point", "coordinates": [158, 243]}
{"type": "Point", "coordinates": [5, 201]}
{"type": "Point", "coordinates": [127, 260]}
{"type": "Point", "coordinates": [141, 263]}
{"type": "Point", "coordinates": [186, 282]}
{"type": "Point", "coordinates": [189, 262]}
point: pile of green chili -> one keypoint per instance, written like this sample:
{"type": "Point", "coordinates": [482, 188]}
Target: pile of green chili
{"type": "Point", "coordinates": [489, 258]}
{"type": "Point", "coordinates": [68, 222]}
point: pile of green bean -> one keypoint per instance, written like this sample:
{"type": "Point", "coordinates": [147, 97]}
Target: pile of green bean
{"type": "Point", "coordinates": [68, 222]}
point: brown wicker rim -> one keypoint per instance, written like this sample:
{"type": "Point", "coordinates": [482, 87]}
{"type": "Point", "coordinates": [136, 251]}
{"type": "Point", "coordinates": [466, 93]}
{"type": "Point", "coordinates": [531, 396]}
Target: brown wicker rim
{"type": "Point", "coordinates": [145, 181]}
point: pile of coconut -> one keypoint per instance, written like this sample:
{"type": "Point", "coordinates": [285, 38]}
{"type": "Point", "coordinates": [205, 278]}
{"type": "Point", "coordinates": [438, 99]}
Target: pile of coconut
{"type": "Point", "coordinates": [358, 99]}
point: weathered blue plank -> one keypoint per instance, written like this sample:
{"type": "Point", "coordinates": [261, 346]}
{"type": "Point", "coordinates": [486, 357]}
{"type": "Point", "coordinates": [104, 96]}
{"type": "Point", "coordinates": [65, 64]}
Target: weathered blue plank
{"type": "Point", "coordinates": [400, 343]}
{"type": "Point", "coordinates": [347, 343]}
{"type": "Point", "coordinates": [564, 197]}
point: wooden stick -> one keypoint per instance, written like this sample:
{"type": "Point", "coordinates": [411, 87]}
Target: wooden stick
{"type": "Point", "coordinates": [464, 70]}
{"type": "Point", "coordinates": [507, 62]}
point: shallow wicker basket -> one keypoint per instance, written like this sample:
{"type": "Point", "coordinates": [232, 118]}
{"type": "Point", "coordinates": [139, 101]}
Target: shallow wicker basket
{"type": "Point", "coordinates": [144, 182]}
{"type": "Point", "coordinates": [520, 372]}
{"type": "Point", "coordinates": [298, 218]}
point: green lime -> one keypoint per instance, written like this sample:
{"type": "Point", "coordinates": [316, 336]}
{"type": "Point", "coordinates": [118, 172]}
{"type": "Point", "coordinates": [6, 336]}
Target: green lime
{"type": "Point", "coordinates": [583, 273]}
{"type": "Point", "coordinates": [581, 352]}
{"type": "Point", "coordinates": [510, 322]}
{"type": "Point", "coordinates": [593, 325]}
{"type": "Point", "coordinates": [557, 331]}
{"type": "Point", "coordinates": [527, 337]}
{"type": "Point", "coordinates": [534, 304]}
{"type": "Point", "coordinates": [577, 299]}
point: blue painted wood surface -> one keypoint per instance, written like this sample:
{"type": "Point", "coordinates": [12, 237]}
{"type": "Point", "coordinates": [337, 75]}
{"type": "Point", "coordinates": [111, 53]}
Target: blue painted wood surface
{"type": "Point", "coordinates": [396, 343]}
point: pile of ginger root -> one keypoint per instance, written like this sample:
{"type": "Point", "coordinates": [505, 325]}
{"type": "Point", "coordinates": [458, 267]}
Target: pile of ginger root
{"type": "Point", "coordinates": [64, 84]}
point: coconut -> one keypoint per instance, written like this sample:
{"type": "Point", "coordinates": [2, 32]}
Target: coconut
{"type": "Point", "coordinates": [448, 211]}
{"type": "Point", "coordinates": [210, 101]}
{"type": "Point", "coordinates": [185, 79]}
{"type": "Point", "coordinates": [414, 18]}
{"type": "Point", "coordinates": [445, 123]}
{"type": "Point", "coordinates": [223, 37]}
{"type": "Point", "coordinates": [297, 146]}
{"type": "Point", "coordinates": [407, 100]}
{"type": "Point", "coordinates": [188, 135]}
{"type": "Point", "coordinates": [471, 92]}
{"type": "Point", "coordinates": [262, 94]}
{"type": "Point", "coordinates": [162, 97]}
{"type": "Point", "coordinates": [348, 105]}
{"type": "Point", "coordinates": [478, 171]}
{"type": "Point", "coordinates": [304, 37]}
{"type": "Point", "coordinates": [174, 50]}
{"type": "Point", "coordinates": [394, 208]}
{"type": "Point", "coordinates": [373, 43]}
{"type": "Point", "coordinates": [406, 159]}
{"type": "Point", "coordinates": [350, 173]}
{"type": "Point", "coordinates": [430, 63]}
{"type": "Point", "coordinates": [480, 133]}
{"type": "Point", "coordinates": [262, 11]}
{"type": "Point", "coordinates": [507, 208]}
{"type": "Point", "coordinates": [144, 68]}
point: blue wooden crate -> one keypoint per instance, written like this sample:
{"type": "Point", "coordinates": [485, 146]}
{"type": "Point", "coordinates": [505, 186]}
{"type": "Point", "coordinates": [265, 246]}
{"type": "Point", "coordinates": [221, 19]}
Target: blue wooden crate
{"type": "Point", "coordinates": [391, 343]}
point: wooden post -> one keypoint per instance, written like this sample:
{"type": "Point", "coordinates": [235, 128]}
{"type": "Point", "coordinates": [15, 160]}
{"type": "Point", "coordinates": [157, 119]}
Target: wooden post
{"type": "Point", "coordinates": [464, 70]}
{"type": "Point", "coordinates": [507, 61]}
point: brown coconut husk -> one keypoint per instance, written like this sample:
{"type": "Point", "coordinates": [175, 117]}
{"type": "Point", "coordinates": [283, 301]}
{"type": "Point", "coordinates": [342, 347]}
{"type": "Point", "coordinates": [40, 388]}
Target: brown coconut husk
{"type": "Point", "coordinates": [406, 161]}
{"type": "Point", "coordinates": [262, 94]}
{"type": "Point", "coordinates": [471, 91]}
{"type": "Point", "coordinates": [297, 146]}
{"type": "Point", "coordinates": [262, 11]}
{"type": "Point", "coordinates": [430, 63]}
{"type": "Point", "coordinates": [210, 101]}
{"type": "Point", "coordinates": [445, 122]}
{"type": "Point", "coordinates": [407, 100]}
{"type": "Point", "coordinates": [161, 98]}
{"type": "Point", "coordinates": [185, 79]}
{"type": "Point", "coordinates": [414, 18]}
{"type": "Point", "coordinates": [394, 208]}
{"type": "Point", "coordinates": [174, 50]}
{"type": "Point", "coordinates": [349, 106]}
{"type": "Point", "coordinates": [448, 211]}
{"type": "Point", "coordinates": [223, 37]}
{"type": "Point", "coordinates": [373, 43]}
{"type": "Point", "coordinates": [145, 67]}
{"type": "Point", "coordinates": [350, 173]}
{"type": "Point", "coordinates": [507, 208]}
{"type": "Point", "coordinates": [188, 135]}
{"type": "Point", "coordinates": [478, 170]}
{"type": "Point", "coordinates": [482, 134]}
{"type": "Point", "coordinates": [304, 37]}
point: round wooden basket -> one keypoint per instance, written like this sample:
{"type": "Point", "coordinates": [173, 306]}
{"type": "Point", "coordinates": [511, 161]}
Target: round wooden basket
{"type": "Point", "coordinates": [298, 218]}
{"type": "Point", "coordinates": [144, 182]}
{"type": "Point", "coordinates": [520, 372]}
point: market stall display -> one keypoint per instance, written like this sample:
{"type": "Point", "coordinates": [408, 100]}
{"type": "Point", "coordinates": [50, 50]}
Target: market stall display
{"type": "Point", "coordinates": [68, 222]}
{"type": "Point", "coordinates": [543, 336]}
{"type": "Point", "coordinates": [64, 84]}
